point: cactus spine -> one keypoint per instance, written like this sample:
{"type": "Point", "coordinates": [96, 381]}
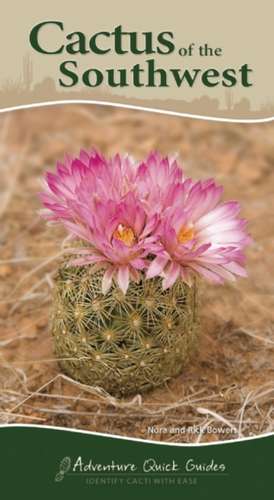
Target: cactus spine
{"type": "Point", "coordinates": [123, 343]}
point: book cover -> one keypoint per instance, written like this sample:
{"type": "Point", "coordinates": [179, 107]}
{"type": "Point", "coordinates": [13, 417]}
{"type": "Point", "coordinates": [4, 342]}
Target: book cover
{"type": "Point", "coordinates": [136, 249]}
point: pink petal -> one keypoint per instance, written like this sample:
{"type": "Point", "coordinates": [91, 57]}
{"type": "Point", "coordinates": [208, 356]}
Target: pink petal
{"type": "Point", "coordinates": [123, 278]}
{"type": "Point", "coordinates": [77, 230]}
{"type": "Point", "coordinates": [107, 280]}
{"type": "Point", "coordinates": [207, 273]}
{"type": "Point", "coordinates": [138, 263]}
{"type": "Point", "coordinates": [235, 268]}
{"type": "Point", "coordinates": [171, 275]}
{"type": "Point", "coordinates": [156, 266]}
{"type": "Point", "coordinates": [228, 209]}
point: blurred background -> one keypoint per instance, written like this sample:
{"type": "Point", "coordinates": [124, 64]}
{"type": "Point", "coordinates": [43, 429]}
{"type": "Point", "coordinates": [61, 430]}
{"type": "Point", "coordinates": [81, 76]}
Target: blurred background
{"type": "Point", "coordinates": [230, 384]}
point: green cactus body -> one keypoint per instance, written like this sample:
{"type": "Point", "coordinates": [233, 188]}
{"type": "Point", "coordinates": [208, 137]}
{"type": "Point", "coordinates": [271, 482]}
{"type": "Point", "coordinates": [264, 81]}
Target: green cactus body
{"type": "Point", "coordinates": [123, 343]}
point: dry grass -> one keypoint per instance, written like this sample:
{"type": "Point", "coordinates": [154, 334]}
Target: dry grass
{"type": "Point", "coordinates": [228, 390]}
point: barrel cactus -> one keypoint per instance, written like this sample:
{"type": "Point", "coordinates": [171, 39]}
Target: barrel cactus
{"type": "Point", "coordinates": [140, 233]}
{"type": "Point", "coordinates": [125, 343]}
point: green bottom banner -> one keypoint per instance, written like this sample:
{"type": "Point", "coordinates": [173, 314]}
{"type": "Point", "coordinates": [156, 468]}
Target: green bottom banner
{"type": "Point", "coordinates": [42, 462]}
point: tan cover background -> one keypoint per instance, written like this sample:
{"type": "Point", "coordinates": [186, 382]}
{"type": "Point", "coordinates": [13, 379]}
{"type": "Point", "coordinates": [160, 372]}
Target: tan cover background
{"type": "Point", "coordinates": [243, 29]}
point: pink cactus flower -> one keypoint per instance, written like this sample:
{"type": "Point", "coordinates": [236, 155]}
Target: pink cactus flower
{"type": "Point", "coordinates": [81, 181]}
{"type": "Point", "coordinates": [145, 217]}
{"type": "Point", "coordinates": [120, 236]}
{"type": "Point", "coordinates": [159, 183]}
{"type": "Point", "coordinates": [202, 236]}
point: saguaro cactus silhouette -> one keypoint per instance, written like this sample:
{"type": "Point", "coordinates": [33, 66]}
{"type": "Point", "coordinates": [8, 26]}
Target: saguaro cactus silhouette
{"type": "Point", "coordinates": [229, 99]}
{"type": "Point", "coordinates": [27, 72]}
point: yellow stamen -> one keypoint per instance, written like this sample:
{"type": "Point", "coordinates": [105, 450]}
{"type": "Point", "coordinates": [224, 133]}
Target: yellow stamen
{"type": "Point", "coordinates": [185, 234]}
{"type": "Point", "coordinates": [125, 234]}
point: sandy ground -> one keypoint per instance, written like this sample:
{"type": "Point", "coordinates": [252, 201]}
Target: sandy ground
{"type": "Point", "coordinates": [227, 390]}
